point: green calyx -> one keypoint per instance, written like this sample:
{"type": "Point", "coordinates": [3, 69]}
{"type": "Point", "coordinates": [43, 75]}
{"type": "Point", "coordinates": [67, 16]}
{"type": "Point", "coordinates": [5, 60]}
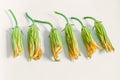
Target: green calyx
{"type": "Point", "coordinates": [74, 18]}
{"type": "Point", "coordinates": [13, 17]}
{"type": "Point", "coordinates": [63, 16]}
{"type": "Point", "coordinates": [44, 22]}
{"type": "Point", "coordinates": [29, 17]}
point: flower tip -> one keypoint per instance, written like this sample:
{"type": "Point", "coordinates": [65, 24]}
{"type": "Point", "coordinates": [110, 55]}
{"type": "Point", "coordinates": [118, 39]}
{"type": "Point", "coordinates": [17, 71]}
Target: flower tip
{"type": "Point", "coordinates": [78, 56]}
{"type": "Point", "coordinates": [90, 56]}
{"type": "Point", "coordinates": [113, 49]}
{"type": "Point", "coordinates": [99, 47]}
{"type": "Point", "coordinates": [57, 60]}
{"type": "Point", "coordinates": [30, 58]}
{"type": "Point", "coordinates": [72, 60]}
{"type": "Point", "coordinates": [15, 55]}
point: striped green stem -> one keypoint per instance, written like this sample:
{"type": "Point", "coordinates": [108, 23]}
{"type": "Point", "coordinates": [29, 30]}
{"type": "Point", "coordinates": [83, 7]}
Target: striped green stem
{"type": "Point", "coordinates": [29, 17]}
{"type": "Point", "coordinates": [74, 18]}
{"type": "Point", "coordinates": [16, 23]}
{"type": "Point", "coordinates": [63, 16]}
{"type": "Point", "coordinates": [88, 17]}
{"type": "Point", "coordinates": [44, 22]}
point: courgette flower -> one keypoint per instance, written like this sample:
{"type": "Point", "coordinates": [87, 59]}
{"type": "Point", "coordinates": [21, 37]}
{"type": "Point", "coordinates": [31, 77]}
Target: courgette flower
{"type": "Point", "coordinates": [72, 43]}
{"type": "Point", "coordinates": [55, 40]}
{"type": "Point", "coordinates": [34, 47]}
{"type": "Point", "coordinates": [87, 39]}
{"type": "Point", "coordinates": [17, 38]}
{"type": "Point", "coordinates": [102, 35]}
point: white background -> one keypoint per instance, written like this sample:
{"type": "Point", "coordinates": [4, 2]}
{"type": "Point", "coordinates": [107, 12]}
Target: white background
{"type": "Point", "coordinates": [102, 66]}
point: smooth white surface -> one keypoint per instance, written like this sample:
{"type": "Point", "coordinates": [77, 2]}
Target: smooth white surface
{"type": "Point", "coordinates": [102, 66]}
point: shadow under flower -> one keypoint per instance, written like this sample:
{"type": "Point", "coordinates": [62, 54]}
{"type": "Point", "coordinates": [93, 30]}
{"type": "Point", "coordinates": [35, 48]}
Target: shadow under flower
{"type": "Point", "coordinates": [9, 42]}
{"type": "Point", "coordinates": [26, 53]}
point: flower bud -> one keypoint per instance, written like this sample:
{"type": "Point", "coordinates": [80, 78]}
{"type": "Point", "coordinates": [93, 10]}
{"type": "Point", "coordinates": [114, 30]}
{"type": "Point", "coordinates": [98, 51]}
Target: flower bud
{"type": "Point", "coordinates": [72, 43]}
{"type": "Point", "coordinates": [17, 38]}
{"type": "Point", "coordinates": [89, 41]}
{"type": "Point", "coordinates": [34, 48]}
{"type": "Point", "coordinates": [56, 43]}
{"type": "Point", "coordinates": [17, 41]}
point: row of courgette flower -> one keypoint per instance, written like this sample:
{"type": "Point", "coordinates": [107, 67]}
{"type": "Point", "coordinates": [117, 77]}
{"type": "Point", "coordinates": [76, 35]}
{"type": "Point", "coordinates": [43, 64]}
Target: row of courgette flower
{"type": "Point", "coordinates": [34, 43]}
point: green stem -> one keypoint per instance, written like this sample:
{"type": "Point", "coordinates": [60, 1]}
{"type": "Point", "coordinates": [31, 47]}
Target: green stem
{"type": "Point", "coordinates": [63, 16]}
{"type": "Point", "coordinates": [88, 17]}
{"type": "Point", "coordinates": [29, 17]}
{"type": "Point", "coordinates": [74, 18]}
{"type": "Point", "coordinates": [14, 17]}
{"type": "Point", "coordinates": [44, 22]}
